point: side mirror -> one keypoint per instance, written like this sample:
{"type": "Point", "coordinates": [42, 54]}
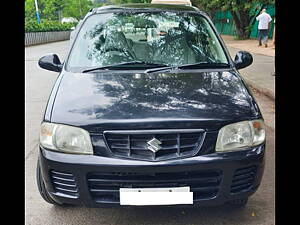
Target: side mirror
{"type": "Point", "coordinates": [243, 59]}
{"type": "Point", "coordinates": [50, 62]}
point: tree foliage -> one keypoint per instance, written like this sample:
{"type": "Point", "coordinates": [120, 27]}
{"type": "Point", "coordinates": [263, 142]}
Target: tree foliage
{"type": "Point", "coordinates": [33, 26]}
{"type": "Point", "coordinates": [57, 9]}
{"type": "Point", "coordinates": [29, 9]}
{"type": "Point", "coordinates": [77, 8]}
{"type": "Point", "coordinates": [52, 9]}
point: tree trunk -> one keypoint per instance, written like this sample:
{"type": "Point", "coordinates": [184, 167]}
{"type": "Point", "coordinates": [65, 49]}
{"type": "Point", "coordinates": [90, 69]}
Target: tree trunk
{"type": "Point", "coordinates": [242, 23]}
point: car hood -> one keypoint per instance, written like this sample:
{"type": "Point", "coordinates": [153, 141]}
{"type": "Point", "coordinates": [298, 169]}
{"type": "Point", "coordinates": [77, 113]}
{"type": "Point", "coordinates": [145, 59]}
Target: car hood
{"type": "Point", "coordinates": [114, 100]}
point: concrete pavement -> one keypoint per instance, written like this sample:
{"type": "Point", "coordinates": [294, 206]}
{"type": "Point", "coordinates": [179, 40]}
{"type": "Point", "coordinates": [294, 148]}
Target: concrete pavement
{"type": "Point", "coordinates": [259, 74]}
{"type": "Point", "coordinates": [250, 45]}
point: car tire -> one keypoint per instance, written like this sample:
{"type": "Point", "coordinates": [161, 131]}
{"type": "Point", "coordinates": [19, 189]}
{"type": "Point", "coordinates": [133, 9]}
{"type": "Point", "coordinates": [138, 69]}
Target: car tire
{"type": "Point", "coordinates": [239, 203]}
{"type": "Point", "coordinates": [42, 188]}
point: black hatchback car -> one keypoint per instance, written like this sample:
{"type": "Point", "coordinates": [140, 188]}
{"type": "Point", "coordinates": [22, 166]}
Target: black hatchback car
{"type": "Point", "coordinates": [149, 109]}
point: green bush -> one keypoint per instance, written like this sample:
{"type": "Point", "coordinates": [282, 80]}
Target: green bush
{"type": "Point", "coordinates": [44, 26]}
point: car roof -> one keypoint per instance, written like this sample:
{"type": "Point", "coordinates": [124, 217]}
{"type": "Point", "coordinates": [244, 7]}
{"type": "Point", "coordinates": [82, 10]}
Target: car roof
{"type": "Point", "coordinates": [148, 6]}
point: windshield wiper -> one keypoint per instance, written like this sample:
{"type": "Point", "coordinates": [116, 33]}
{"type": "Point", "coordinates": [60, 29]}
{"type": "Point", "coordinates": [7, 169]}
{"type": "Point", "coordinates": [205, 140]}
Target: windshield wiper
{"type": "Point", "coordinates": [121, 65]}
{"type": "Point", "coordinates": [191, 66]}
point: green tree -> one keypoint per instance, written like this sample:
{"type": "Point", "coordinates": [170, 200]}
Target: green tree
{"type": "Point", "coordinates": [77, 8]}
{"type": "Point", "coordinates": [57, 9]}
{"type": "Point", "coordinates": [29, 10]}
{"type": "Point", "coordinates": [240, 10]}
{"type": "Point", "coordinates": [52, 9]}
{"type": "Point", "coordinates": [48, 9]}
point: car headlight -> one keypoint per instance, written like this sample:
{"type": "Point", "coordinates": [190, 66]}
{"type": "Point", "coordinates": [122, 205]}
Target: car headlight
{"type": "Point", "coordinates": [241, 135]}
{"type": "Point", "coordinates": [65, 138]}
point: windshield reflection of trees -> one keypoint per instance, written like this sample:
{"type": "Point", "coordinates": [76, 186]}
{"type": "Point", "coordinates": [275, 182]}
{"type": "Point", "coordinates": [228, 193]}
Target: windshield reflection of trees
{"type": "Point", "coordinates": [168, 95]}
{"type": "Point", "coordinates": [187, 43]}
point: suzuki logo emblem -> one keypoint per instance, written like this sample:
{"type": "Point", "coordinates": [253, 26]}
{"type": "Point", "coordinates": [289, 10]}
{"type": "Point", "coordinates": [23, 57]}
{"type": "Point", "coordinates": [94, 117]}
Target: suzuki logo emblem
{"type": "Point", "coordinates": [154, 145]}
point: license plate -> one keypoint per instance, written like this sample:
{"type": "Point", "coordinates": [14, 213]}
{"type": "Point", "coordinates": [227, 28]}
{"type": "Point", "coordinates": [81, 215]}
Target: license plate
{"type": "Point", "coordinates": [156, 196]}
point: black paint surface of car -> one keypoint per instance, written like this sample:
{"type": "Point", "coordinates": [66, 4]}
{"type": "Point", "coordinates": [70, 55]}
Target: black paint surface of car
{"type": "Point", "coordinates": [133, 100]}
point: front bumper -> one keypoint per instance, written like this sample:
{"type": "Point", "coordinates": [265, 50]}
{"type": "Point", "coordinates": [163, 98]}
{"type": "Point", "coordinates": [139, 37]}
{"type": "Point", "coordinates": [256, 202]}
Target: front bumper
{"type": "Point", "coordinates": [221, 177]}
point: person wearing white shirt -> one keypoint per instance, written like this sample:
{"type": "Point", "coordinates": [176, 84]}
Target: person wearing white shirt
{"type": "Point", "coordinates": [263, 27]}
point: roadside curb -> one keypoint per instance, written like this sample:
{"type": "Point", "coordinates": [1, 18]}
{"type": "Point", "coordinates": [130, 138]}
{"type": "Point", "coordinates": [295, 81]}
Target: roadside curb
{"type": "Point", "coordinates": [265, 91]}
{"type": "Point", "coordinates": [50, 42]}
{"type": "Point", "coordinates": [35, 38]}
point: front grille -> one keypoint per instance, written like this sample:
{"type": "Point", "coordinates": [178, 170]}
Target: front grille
{"type": "Point", "coordinates": [243, 179]}
{"type": "Point", "coordinates": [174, 143]}
{"type": "Point", "coordinates": [104, 187]}
{"type": "Point", "coordinates": [64, 183]}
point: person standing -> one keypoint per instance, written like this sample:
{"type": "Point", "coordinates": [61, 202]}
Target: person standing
{"type": "Point", "coordinates": [264, 20]}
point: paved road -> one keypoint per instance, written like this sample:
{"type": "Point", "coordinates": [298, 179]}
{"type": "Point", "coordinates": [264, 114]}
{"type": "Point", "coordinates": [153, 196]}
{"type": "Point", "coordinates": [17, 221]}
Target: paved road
{"type": "Point", "coordinates": [259, 211]}
{"type": "Point", "coordinates": [259, 74]}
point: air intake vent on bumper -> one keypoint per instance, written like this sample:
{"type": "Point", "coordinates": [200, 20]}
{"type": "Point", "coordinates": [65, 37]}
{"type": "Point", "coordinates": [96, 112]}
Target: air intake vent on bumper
{"type": "Point", "coordinates": [64, 184]}
{"type": "Point", "coordinates": [243, 179]}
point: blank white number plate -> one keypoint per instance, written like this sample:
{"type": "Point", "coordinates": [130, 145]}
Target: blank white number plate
{"type": "Point", "coordinates": [156, 196]}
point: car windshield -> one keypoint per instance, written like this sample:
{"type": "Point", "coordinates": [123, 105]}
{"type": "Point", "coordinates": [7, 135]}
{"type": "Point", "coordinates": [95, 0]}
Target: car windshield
{"type": "Point", "coordinates": [153, 38]}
